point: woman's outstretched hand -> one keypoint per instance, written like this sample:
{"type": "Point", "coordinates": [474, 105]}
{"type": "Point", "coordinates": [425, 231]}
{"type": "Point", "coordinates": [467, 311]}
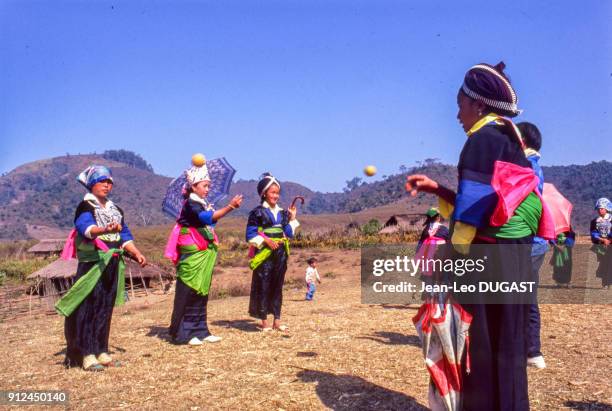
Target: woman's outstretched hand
{"type": "Point", "coordinates": [420, 182]}
{"type": "Point", "coordinates": [135, 253]}
{"type": "Point", "coordinates": [236, 201]}
{"type": "Point", "coordinates": [140, 259]}
{"type": "Point", "coordinates": [232, 205]}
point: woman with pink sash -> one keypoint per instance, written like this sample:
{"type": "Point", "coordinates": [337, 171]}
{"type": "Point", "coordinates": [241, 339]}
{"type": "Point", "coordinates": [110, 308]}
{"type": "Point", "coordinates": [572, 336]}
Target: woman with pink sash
{"type": "Point", "coordinates": [434, 234]}
{"type": "Point", "coordinates": [192, 247]}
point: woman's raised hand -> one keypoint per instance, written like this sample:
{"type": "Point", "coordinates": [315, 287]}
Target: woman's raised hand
{"type": "Point", "coordinates": [292, 212]}
{"type": "Point", "coordinates": [420, 182]}
{"type": "Point", "coordinates": [236, 201]}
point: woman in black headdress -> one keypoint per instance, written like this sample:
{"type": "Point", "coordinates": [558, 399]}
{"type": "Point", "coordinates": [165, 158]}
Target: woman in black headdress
{"type": "Point", "coordinates": [268, 231]}
{"type": "Point", "coordinates": [498, 378]}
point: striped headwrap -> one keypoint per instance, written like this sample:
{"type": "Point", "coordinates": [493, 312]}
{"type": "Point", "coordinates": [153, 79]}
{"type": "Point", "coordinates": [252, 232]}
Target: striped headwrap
{"type": "Point", "coordinates": [94, 174]}
{"type": "Point", "coordinates": [488, 84]}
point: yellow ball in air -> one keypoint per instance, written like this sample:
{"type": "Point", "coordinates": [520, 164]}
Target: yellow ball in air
{"type": "Point", "coordinates": [369, 171]}
{"type": "Point", "coordinates": [198, 160]}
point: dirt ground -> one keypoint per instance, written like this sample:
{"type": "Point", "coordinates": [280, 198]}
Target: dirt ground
{"type": "Point", "coordinates": [338, 354]}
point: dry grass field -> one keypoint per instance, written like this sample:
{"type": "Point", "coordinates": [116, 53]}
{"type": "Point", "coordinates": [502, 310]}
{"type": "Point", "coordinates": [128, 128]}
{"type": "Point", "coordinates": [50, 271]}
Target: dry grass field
{"type": "Point", "coordinates": [337, 354]}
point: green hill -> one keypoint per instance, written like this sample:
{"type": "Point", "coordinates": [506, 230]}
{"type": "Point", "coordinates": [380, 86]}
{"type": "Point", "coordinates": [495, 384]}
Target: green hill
{"type": "Point", "coordinates": [45, 192]}
{"type": "Point", "coordinates": [580, 184]}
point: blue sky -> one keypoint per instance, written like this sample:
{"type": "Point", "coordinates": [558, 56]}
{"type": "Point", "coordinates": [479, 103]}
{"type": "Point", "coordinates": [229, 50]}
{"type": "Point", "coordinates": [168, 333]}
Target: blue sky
{"type": "Point", "coordinates": [309, 90]}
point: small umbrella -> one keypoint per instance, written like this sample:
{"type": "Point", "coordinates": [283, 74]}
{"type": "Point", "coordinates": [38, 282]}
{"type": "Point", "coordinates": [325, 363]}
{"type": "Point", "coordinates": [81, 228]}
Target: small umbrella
{"type": "Point", "coordinates": [443, 328]}
{"type": "Point", "coordinates": [295, 199]}
{"type": "Point", "coordinates": [221, 175]}
{"type": "Point", "coordinates": [559, 206]}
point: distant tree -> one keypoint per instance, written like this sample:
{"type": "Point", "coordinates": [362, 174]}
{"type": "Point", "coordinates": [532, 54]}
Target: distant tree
{"type": "Point", "coordinates": [128, 157]}
{"type": "Point", "coordinates": [145, 215]}
{"type": "Point", "coordinates": [352, 184]}
{"type": "Point", "coordinates": [317, 205]}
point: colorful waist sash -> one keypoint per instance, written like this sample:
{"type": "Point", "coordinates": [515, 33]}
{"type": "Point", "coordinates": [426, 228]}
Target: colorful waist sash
{"type": "Point", "coordinates": [257, 259]}
{"type": "Point", "coordinates": [196, 269]}
{"type": "Point", "coordinates": [89, 251]}
{"type": "Point", "coordinates": [187, 240]}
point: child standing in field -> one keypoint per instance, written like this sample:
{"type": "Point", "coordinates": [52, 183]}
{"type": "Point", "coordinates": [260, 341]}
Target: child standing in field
{"type": "Point", "coordinates": [312, 275]}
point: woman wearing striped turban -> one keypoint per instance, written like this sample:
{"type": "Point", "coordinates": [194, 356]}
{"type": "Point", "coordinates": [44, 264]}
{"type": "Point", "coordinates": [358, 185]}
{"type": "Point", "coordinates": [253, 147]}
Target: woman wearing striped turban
{"type": "Point", "coordinates": [497, 379]}
{"type": "Point", "coordinates": [99, 240]}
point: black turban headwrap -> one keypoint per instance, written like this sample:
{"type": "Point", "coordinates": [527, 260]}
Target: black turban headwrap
{"type": "Point", "coordinates": [489, 84]}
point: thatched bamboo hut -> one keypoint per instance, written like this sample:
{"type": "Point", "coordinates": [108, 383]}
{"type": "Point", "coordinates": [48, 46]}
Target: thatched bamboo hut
{"type": "Point", "coordinates": [403, 222]}
{"type": "Point", "coordinates": [47, 248]}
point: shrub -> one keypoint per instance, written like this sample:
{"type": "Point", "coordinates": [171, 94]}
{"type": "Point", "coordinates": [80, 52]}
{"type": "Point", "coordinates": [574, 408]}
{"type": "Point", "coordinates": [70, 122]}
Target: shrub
{"type": "Point", "coordinates": [371, 227]}
{"type": "Point", "coordinates": [20, 269]}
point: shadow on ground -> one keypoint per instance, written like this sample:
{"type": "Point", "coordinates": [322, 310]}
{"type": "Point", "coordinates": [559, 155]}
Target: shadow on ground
{"type": "Point", "coordinates": [242, 325]}
{"type": "Point", "coordinates": [588, 405]}
{"type": "Point", "coordinates": [159, 332]}
{"type": "Point", "coordinates": [348, 392]}
{"type": "Point", "coordinates": [393, 338]}
{"type": "Point", "coordinates": [399, 307]}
